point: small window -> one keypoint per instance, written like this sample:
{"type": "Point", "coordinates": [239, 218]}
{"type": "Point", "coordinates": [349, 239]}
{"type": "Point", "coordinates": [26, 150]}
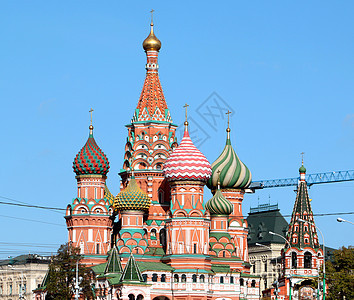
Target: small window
{"type": "Point", "coordinates": [176, 278]}
{"type": "Point", "coordinates": [223, 253]}
{"type": "Point", "coordinates": [232, 279]}
{"type": "Point", "coordinates": [194, 278]}
{"type": "Point", "coordinates": [145, 277]}
{"type": "Point", "coordinates": [154, 277]}
{"type": "Point", "coordinates": [163, 278]}
{"type": "Point", "coordinates": [254, 268]}
{"type": "Point", "coordinates": [97, 248]}
{"type": "Point", "coordinates": [202, 278]}
{"type": "Point", "coordinates": [253, 283]}
{"type": "Point", "coordinates": [221, 279]}
{"type": "Point", "coordinates": [242, 282]}
{"type": "Point", "coordinates": [265, 267]}
{"type": "Point", "coordinates": [183, 278]}
{"type": "Point", "coordinates": [194, 248]}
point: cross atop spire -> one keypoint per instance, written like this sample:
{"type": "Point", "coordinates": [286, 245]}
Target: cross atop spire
{"type": "Point", "coordinates": [91, 126]}
{"type": "Point", "coordinates": [302, 158]}
{"type": "Point", "coordinates": [186, 121]}
{"type": "Point", "coordinates": [152, 16]}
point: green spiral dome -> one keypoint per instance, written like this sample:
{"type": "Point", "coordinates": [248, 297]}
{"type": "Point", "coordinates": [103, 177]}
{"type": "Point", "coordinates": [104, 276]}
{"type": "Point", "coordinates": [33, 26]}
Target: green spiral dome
{"type": "Point", "coordinates": [219, 205]}
{"type": "Point", "coordinates": [233, 172]}
{"type": "Point", "coordinates": [132, 198]}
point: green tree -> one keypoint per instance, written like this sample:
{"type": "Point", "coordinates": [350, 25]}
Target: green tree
{"type": "Point", "coordinates": [340, 274]}
{"type": "Point", "coordinates": [62, 275]}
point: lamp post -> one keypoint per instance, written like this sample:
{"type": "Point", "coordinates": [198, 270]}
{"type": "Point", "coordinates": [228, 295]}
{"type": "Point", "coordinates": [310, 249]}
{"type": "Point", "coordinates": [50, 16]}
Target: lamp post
{"type": "Point", "coordinates": [21, 289]}
{"type": "Point", "coordinates": [340, 220]}
{"type": "Point", "coordinates": [324, 263]}
{"type": "Point", "coordinates": [287, 242]}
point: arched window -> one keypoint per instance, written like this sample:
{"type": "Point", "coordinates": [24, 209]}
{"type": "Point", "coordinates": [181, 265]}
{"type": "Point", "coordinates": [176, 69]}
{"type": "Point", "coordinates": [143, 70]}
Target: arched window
{"type": "Point", "coordinates": [153, 234]}
{"type": "Point", "coordinates": [183, 278]}
{"type": "Point", "coordinates": [140, 297]}
{"type": "Point", "coordinates": [293, 260]}
{"type": "Point", "coordinates": [232, 279]}
{"type": "Point", "coordinates": [161, 193]}
{"type": "Point", "coordinates": [221, 279]}
{"type": "Point", "coordinates": [163, 237]}
{"type": "Point", "coordinates": [202, 278]}
{"type": "Point", "coordinates": [145, 277]}
{"type": "Point", "coordinates": [242, 282]}
{"type": "Point", "coordinates": [253, 283]}
{"type": "Point", "coordinates": [194, 278]}
{"type": "Point", "coordinates": [308, 260]}
{"type": "Point", "coordinates": [131, 297]}
{"type": "Point", "coordinates": [154, 277]}
{"type": "Point", "coordinates": [176, 278]}
{"type": "Point", "coordinates": [163, 278]}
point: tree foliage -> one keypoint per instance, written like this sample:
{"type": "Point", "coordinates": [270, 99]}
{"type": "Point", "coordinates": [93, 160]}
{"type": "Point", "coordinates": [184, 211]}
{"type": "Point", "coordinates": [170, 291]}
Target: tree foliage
{"type": "Point", "coordinates": [340, 274]}
{"type": "Point", "coordinates": [62, 275]}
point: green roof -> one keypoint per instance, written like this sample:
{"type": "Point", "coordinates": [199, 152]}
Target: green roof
{"type": "Point", "coordinates": [113, 263]}
{"type": "Point", "coordinates": [219, 235]}
{"type": "Point", "coordinates": [260, 223]}
{"type": "Point", "coordinates": [131, 272]}
{"type": "Point", "coordinates": [153, 266]}
{"type": "Point", "coordinates": [218, 268]}
{"type": "Point", "coordinates": [99, 269]}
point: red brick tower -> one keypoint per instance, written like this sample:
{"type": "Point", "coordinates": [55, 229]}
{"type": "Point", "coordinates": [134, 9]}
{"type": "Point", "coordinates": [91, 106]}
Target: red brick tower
{"type": "Point", "coordinates": [151, 139]}
{"type": "Point", "coordinates": [89, 218]}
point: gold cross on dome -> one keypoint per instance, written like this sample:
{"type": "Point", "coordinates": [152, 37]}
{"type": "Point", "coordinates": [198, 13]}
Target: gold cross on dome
{"type": "Point", "coordinates": [152, 15]}
{"type": "Point", "coordinates": [228, 118]}
{"type": "Point", "coordinates": [302, 157]}
{"type": "Point", "coordinates": [90, 111]}
{"type": "Point", "coordinates": [186, 106]}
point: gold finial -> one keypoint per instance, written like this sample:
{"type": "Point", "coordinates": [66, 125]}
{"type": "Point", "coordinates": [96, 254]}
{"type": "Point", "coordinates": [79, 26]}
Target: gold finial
{"type": "Point", "coordinates": [91, 127]}
{"type": "Point", "coordinates": [152, 16]}
{"type": "Point", "coordinates": [302, 158]}
{"type": "Point", "coordinates": [152, 42]}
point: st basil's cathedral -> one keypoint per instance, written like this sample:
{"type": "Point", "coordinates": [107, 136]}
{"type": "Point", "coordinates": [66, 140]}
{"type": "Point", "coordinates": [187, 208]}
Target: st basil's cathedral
{"type": "Point", "coordinates": [157, 239]}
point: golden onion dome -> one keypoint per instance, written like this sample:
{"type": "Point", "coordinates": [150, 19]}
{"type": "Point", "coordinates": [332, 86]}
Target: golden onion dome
{"type": "Point", "coordinates": [152, 42]}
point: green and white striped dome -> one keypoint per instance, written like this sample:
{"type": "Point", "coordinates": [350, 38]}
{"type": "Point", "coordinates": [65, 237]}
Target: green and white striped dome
{"type": "Point", "coordinates": [233, 172]}
{"type": "Point", "coordinates": [219, 205]}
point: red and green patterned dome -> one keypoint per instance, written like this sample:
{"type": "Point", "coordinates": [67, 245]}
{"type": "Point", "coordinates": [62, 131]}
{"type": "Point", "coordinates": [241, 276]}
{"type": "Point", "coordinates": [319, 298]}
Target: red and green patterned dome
{"type": "Point", "coordinates": [91, 159]}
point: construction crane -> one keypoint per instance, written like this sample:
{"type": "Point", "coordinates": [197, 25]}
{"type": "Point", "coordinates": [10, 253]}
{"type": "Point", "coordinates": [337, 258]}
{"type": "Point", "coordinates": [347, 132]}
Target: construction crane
{"type": "Point", "coordinates": [328, 177]}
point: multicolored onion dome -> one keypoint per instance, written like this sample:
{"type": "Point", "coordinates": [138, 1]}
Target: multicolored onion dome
{"type": "Point", "coordinates": [91, 159]}
{"type": "Point", "coordinates": [233, 172]}
{"type": "Point", "coordinates": [219, 205]}
{"type": "Point", "coordinates": [187, 162]}
{"type": "Point", "coordinates": [132, 198]}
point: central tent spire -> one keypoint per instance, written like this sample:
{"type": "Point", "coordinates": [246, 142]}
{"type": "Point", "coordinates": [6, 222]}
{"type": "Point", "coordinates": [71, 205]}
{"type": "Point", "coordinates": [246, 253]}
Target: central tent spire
{"type": "Point", "coordinates": [152, 104]}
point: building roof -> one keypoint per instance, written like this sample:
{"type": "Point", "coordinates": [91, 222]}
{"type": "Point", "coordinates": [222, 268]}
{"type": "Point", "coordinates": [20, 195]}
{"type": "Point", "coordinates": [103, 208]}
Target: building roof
{"type": "Point", "coordinates": [131, 272]}
{"type": "Point", "coordinates": [302, 234]}
{"type": "Point", "coordinates": [132, 198]}
{"type": "Point", "coordinates": [91, 159]}
{"type": "Point", "coordinates": [261, 221]}
{"type": "Point", "coordinates": [187, 162]}
{"type": "Point", "coordinates": [25, 259]}
{"type": "Point", "coordinates": [229, 170]}
{"type": "Point", "coordinates": [113, 263]}
{"type": "Point", "coordinates": [219, 205]}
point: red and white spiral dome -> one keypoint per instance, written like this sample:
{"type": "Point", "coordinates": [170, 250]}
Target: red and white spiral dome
{"type": "Point", "coordinates": [187, 162]}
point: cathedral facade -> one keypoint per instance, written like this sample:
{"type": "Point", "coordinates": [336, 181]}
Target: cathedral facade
{"type": "Point", "coordinates": [158, 238]}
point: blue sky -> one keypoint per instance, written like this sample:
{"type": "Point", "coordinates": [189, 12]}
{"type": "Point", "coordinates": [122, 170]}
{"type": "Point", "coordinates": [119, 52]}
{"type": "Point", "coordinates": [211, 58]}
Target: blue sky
{"type": "Point", "coordinates": [285, 69]}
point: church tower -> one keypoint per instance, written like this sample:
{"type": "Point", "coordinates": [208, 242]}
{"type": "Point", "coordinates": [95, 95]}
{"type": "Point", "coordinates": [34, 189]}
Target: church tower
{"type": "Point", "coordinates": [151, 139]}
{"type": "Point", "coordinates": [89, 218]}
{"type": "Point", "coordinates": [233, 177]}
{"type": "Point", "coordinates": [187, 171]}
{"type": "Point", "coordinates": [303, 254]}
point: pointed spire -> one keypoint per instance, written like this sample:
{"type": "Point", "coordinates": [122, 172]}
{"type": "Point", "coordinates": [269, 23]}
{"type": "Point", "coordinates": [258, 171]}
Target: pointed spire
{"type": "Point", "coordinates": [302, 169]}
{"type": "Point", "coordinates": [113, 264]}
{"type": "Point", "coordinates": [131, 271]}
{"type": "Point", "coordinates": [186, 121]}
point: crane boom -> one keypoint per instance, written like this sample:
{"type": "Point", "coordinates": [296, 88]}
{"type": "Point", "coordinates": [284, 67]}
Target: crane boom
{"type": "Point", "coordinates": [337, 176]}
